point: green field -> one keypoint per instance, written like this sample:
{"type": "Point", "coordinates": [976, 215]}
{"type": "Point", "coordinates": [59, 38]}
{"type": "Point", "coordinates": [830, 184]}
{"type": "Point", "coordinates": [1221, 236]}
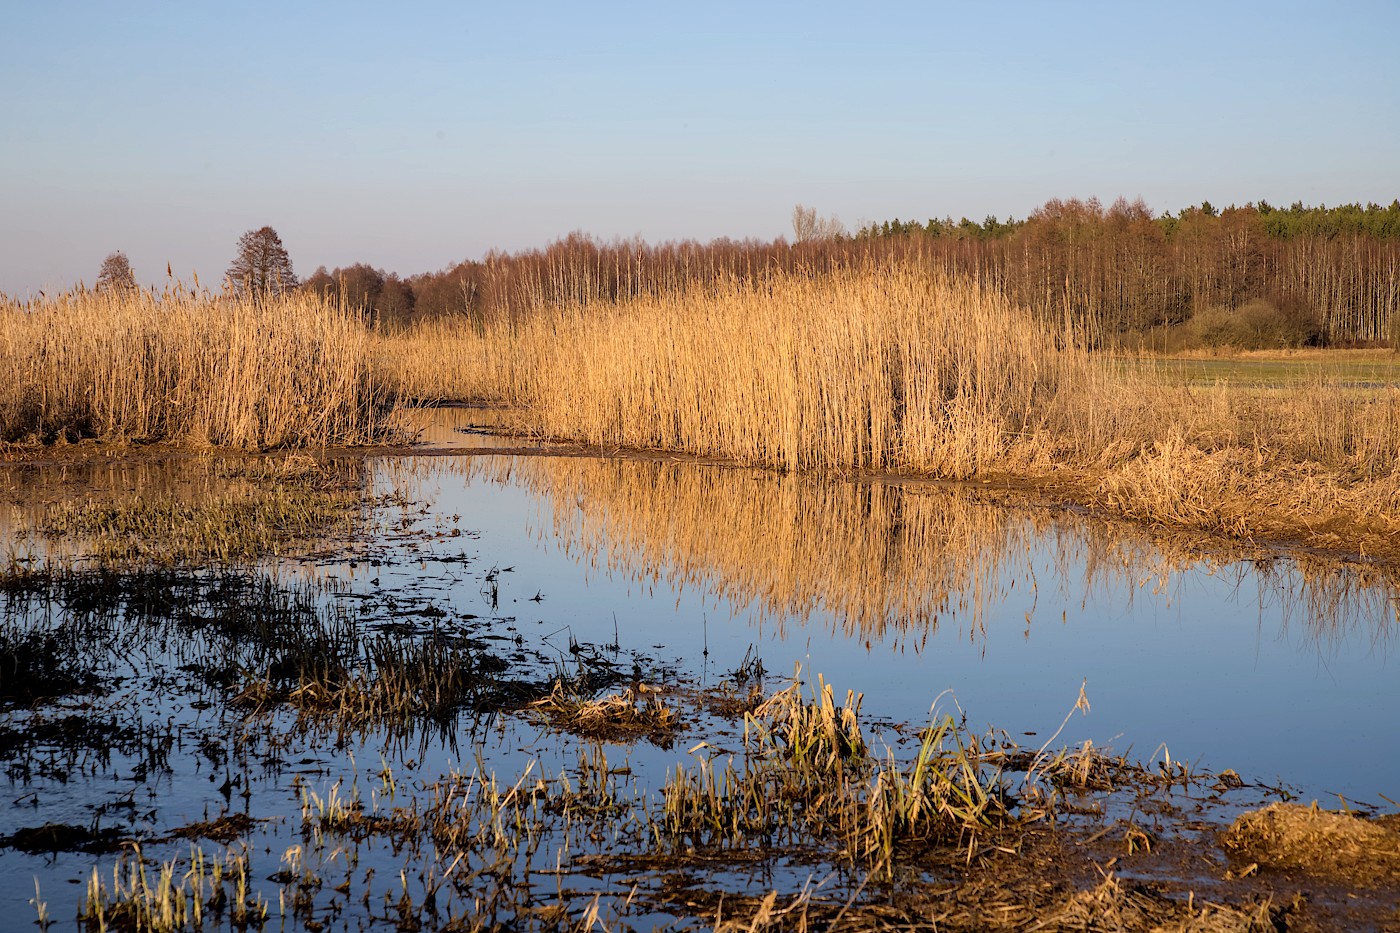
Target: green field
{"type": "Point", "coordinates": [1363, 369]}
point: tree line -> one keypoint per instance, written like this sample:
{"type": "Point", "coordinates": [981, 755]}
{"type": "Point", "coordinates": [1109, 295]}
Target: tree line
{"type": "Point", "coordinates": [1110, 274]}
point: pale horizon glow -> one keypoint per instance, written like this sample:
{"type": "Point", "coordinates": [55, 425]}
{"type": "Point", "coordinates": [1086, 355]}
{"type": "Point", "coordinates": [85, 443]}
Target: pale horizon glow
{"type": "Point", "coordinates": [415, 137]}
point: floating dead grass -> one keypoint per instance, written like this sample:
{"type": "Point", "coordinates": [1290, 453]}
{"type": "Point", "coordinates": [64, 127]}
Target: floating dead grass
{"type": "Point", "coordinates": [638, 711]}
{"type": "Point", "coordinates": [1113, 906]}
{"type": "Point", "coordinates": [1335, 845]}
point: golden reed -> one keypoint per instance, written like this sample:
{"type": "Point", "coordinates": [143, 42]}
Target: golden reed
{"type": "Point", "coordinates": [904, 370]}
{"type": "Point", "coordinates": [189, 368]}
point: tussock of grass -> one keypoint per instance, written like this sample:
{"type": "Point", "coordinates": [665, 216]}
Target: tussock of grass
{"type": "Point", "coordinates": [807, 775]}
{"type": "Point", "coordinates": [188, 368]}
{"type": "Point", "coordinates": [1330, 844]}
{"type": "Point", "coordinates": [173, 896]}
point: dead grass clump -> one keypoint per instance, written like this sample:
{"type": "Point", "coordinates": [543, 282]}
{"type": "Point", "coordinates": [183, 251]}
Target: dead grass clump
{"type": "Point", "coordinates": [989, 904]}
{"type": "Point", "coordinates": [226, 829]}
{"type": "Point", "coordinates": [1118, 906]}
{"type": "Point", "coordinates": [807, 777]}
{"type": "Point", "coordinates": [1321, 842]}
{"type": "Point", "coordinates": [636, 712]}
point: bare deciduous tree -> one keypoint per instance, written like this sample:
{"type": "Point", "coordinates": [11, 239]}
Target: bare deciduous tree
{"type": "Point", "coordinates": [262, 267]}
{"type": "Point", "coordinates": [116, 274]}
{"type": "Point", "coordinates": [807, 226]}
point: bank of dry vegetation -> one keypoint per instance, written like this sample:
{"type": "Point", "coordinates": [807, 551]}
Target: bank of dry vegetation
{"type": "Point", "coordinates": [188, 368]}
{"type": "Point", "coordinates": [910, 371]}
{"type": "Point", "coordinates": [877, 367]}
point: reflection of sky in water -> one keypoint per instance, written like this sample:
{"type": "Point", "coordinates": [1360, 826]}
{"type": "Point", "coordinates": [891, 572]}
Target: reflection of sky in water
{"type": "Point", "coordinates": [1204, 661]}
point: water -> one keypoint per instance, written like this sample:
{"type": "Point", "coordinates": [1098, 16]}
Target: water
{"type": "Point", "coordinates": [1280, 670]}
{"type": "Point", "coordinates": [909, 592]}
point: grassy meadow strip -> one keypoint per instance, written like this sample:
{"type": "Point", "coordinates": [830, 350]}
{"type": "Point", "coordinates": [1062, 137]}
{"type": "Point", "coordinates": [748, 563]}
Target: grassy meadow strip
{"type": "Point", "coordinates": [899, 369]}
{"type": "Point", "coordinates": [192, 369]}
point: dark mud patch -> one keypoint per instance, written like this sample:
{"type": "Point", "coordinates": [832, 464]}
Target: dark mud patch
{"type": "Point", "coordinates": [64, 837]}
{"type": "Point", "coordinates": [227, 829]}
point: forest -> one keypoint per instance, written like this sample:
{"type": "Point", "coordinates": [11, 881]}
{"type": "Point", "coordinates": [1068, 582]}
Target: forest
{"type": "Point", "coordinates": [1255, 276]}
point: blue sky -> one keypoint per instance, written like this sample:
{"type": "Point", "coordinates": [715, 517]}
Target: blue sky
{"type": "Point", "coordinates": [417, 136]}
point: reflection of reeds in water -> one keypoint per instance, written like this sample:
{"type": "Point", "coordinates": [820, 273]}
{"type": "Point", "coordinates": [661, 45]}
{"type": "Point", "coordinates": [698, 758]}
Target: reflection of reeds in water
{"type": "Point", "coordinates": [882, 558]}
{"type": "Point", "coordinates": [867, 553]}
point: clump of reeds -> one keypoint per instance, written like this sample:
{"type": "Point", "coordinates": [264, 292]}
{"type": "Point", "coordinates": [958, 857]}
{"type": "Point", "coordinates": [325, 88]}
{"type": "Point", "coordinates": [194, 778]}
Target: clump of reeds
{"type": "Point", "coordinates": [192, 368]}
{"type": "Point", "coordinates": [180, 896]}
{"type": "Point", "coordinates": [819, 734]}
{"type": "Point", "coordinates": [858, 369]}
{"type": "Point", "coordinates": [808, 775]}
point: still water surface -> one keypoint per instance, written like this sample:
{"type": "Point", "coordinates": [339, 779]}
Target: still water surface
{"type": "Point", "coordinates": [1280, 669]}
{"type": "Point", "coordinates": [909, 592]}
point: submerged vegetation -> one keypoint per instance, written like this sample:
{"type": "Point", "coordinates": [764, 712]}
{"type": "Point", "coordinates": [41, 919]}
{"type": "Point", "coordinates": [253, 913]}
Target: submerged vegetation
{"type": "Point", "coordinates": [236, 511]}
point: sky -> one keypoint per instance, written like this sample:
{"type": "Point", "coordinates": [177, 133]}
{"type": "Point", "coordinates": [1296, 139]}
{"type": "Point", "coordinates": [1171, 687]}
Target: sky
{"type": "Point", "coordinates": [417, 135]}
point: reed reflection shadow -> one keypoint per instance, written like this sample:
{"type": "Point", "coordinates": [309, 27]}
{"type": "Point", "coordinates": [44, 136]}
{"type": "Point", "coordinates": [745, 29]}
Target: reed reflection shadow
{"type": "Point", "coordinates": [883, 558]}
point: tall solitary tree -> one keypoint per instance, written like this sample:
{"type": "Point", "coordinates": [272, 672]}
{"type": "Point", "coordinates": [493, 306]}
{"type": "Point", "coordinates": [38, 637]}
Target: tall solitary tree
{"type": "Point", "coordinates": [116, 274]}
{"type": "Point", "coordinates": [262, 267]}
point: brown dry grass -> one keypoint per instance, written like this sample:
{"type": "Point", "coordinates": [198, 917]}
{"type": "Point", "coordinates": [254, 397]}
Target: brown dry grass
{"type": "Point", "coordinates": [188, 368]}
{"type": "Point", "coordinates": [903, 370]}
{"type": "Point", "coordinates": [888, 368]}
{"type": "Point", "coordinates": [1339, 846]}
{"type": "Point", "coordinates": [635, 712]}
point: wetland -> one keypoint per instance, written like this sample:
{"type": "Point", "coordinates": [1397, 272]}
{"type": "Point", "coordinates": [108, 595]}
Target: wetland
{"type": "Point", "coordinates": [489, 683]}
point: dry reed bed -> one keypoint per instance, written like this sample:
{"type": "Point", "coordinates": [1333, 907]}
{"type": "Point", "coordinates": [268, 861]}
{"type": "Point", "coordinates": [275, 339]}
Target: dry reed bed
{"type": "Point", "coordinates": [189, 368]}
{"type": "Point", "coordinates": [907, 371]}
